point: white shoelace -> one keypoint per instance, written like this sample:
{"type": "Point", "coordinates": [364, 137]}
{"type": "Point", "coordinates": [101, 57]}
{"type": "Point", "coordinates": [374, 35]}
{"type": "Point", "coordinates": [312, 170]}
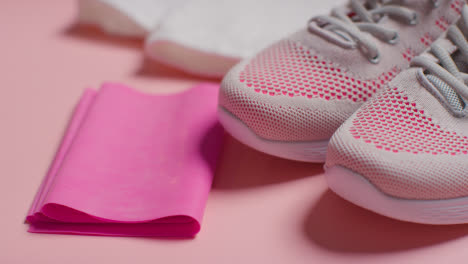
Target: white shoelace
{"type": "Point", "coordinates": [349, 32]}
{"type": "Point", "coordinates": [443, 71]}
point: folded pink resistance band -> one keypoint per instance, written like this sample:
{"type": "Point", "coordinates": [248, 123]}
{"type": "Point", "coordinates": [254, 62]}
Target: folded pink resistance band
{"type": "Point", "coordinates": [132, 164]}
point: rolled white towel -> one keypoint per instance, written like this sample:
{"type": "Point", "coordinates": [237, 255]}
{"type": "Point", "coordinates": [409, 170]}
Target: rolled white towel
{"type": "Point", "coordinates": [207, 37]}
{"type": "Point", "coordinates": [202, 37]}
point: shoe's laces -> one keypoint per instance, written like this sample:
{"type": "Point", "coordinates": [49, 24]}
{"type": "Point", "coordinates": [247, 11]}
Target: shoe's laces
{"type": "Point", "coordinates": [448, 71]}
{"type": "Point", "coordinates": [348, 31]}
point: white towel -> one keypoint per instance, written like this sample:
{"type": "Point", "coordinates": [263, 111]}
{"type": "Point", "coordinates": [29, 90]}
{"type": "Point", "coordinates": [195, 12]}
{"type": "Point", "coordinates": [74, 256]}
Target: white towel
{"type": "Point", "coordinates": [204, 37]}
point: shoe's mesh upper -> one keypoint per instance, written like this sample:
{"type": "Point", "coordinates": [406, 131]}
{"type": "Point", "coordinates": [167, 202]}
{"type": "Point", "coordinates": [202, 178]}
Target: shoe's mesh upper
{"type": "Point", "coordinates": [277, 122]}
{"type": "Point", "coordinates": [302, 88]}
{"type": "Point", "coordinates": [427, 178]}
{"type": "Point", "coordinates": [394, 123]}
{"type": "Point", "coordinates": [289, 69]}
{"type": "Point", "coordinates": [396, 144]}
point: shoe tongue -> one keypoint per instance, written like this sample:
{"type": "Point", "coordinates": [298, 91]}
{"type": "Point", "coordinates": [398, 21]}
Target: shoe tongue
{"type": "Point", "coordinates": [452, 97]}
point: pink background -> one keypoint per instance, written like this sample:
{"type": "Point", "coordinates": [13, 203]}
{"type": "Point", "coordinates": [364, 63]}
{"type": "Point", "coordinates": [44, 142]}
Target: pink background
{"type": "Point", "coordinates": [261, 209]}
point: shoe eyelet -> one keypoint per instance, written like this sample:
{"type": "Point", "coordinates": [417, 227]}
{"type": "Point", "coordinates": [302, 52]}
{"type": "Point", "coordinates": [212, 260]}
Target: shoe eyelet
{"type": "Point", "coordinates": [414, 20]}
{"type": "Point", "coordinates": [375, 59]}
{"type": "Point", "coordinates": [395, 39]}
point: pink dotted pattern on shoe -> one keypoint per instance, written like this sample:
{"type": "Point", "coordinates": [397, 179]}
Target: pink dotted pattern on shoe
{"type": "Point", "coordinates": [427, 39]}
{"type": "Point", "coordinates": [409, 54]}
{"type": "Point", "coordinates": [393, 122]}
{"type": "Point", "coordinates": [284, 123]}
{"type": "Point", "coordinates": [457, 5]}
{"type": "Point", "coordinates": [443, 23]}
{"type": "Point", "coordinates": [289, 69]}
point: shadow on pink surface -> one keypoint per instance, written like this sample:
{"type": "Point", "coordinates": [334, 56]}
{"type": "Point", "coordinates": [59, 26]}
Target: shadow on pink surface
{"type": "Point", "coordinates": [96, 35]}
{"type": "Point", "coordinates": [339, 225]}
{"type": "Point", "coordinates": [210, 141]}
{"type": "Point", "coordinates": [148, 68]}
{"type": "Point", "coordinates": [244, 167]}
{"type": "Point", "coordinates": [153, 69]}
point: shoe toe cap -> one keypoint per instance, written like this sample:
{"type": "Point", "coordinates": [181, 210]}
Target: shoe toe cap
{"type": "Point", "coordinates": [278, 97]}
{"type": "Point", "coordinates": [396, 152]}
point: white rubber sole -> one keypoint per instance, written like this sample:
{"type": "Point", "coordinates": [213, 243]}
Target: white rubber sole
{"type": "Point", "coordinates": [314, 151]}
{"type": "Point", "coordinates": [358, 190]}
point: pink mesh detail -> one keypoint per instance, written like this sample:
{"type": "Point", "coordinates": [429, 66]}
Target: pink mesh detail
{"type": "Point", "coordinates": [289, 69]}
{"type": "Point", "coordinates": [457, 5]}
{"type": "Point", "coordinates": [393, 122]}
{"type": "Point", "coordinates": [409, 54]}
{"type": "Point", "coordinates": [427, 39]}
{"type": "Point", "coordinates": [443, 23]}
{"type": "Point", "coordinates": [281, 123]}
{"type": "Point", "coordinates": [409, 177]}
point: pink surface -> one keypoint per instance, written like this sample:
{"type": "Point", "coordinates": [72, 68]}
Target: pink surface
{"type": "Point", "coordinates": [125, 168]}
{"type": "Point", "coordinates": [261, 209]}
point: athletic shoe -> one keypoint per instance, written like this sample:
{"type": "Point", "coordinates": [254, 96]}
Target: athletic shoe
{"type": "Point", "coordinates": [289, 99]}
{"type": "Point", "coordinates": [404, 154]}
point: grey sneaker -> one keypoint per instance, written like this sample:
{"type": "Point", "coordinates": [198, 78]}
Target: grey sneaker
{"type": "Point", "coordinates": [290, 98]}
{"type": "Point", "coordinates": [404, 154]}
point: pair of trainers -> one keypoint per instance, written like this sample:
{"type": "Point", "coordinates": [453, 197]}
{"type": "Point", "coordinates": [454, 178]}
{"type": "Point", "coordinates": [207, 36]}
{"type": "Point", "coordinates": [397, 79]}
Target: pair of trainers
{"type": "Point", "coordinates": [378, 91]}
